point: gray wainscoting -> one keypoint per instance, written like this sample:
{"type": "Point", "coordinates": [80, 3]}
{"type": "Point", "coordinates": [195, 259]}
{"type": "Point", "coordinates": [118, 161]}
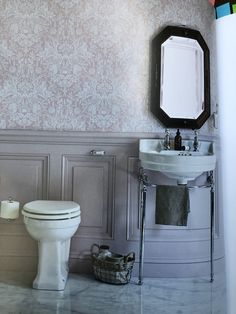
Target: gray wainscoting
{"type": "Point", "coordinates": [58, 165]}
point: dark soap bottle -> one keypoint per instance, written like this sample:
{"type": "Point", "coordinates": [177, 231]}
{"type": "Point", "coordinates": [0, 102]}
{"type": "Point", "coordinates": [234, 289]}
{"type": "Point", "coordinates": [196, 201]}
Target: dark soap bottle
{"type": "Point", "coordinates": [178, 140]}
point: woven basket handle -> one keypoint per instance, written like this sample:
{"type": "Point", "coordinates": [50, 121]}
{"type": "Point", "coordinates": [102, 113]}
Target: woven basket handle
{"type": "Point", "coordinates": [129, 257]}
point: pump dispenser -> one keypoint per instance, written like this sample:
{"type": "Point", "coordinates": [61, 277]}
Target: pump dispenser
{"type": "Point", "coordinates": [178, 140]}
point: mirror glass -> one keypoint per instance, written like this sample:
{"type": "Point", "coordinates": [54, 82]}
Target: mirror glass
{"type": "Point", "coordinates": [182, 74]}
{"type": "Point", "coordinates": [180, 80]}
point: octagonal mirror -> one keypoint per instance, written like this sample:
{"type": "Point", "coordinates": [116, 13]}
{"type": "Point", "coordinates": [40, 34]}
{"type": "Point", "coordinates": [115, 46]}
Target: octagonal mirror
{"type": "Point", "coordinates": [180, 89]}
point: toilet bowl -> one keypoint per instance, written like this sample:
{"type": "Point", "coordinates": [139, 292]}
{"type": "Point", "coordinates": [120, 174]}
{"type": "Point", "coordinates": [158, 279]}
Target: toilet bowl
{"type": "Point", "coordinates": [52, 224]}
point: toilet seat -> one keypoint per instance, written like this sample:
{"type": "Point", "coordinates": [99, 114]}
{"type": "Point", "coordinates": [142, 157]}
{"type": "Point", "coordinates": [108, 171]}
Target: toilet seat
{"type": "Point", "coordinates": [51, 210]}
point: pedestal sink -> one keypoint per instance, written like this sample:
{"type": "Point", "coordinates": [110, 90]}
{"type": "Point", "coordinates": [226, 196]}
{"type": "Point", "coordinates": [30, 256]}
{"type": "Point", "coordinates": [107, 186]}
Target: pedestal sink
{"type": "Point", "coordinates": [180, 165]}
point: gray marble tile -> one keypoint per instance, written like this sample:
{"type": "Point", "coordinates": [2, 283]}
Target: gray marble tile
{"type": "Point", "coordinates": [85, 295]}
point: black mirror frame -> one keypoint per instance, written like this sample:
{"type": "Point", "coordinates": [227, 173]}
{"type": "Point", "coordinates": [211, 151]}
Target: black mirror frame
{"type": "Point", "coordinates": [156, 74]}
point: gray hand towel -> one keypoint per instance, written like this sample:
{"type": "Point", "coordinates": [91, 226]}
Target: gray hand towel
{"type": "Point", "coordinates": [172, 205]}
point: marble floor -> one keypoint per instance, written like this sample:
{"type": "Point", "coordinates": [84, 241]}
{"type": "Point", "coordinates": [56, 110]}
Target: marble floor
{"type": "Point", "coordinates": [84, 295]}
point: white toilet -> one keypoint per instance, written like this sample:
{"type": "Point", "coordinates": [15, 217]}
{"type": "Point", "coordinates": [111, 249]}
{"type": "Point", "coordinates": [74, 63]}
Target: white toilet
{"type": "Point", "coordinates": [52, 224]}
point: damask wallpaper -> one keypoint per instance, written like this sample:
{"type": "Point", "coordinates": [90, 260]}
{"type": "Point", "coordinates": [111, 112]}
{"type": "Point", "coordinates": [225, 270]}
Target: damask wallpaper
{"type": "Point", "coordinates": [84, 64]}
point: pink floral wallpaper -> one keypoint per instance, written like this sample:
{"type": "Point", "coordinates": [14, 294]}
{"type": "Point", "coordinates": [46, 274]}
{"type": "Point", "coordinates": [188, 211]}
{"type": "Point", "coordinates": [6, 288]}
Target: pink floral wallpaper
{"type": "Point", "coordinates": [84, 64]}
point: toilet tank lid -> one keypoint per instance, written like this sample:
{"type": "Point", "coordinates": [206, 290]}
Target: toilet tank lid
{"type": "Point", "coordinates": [51, 207]}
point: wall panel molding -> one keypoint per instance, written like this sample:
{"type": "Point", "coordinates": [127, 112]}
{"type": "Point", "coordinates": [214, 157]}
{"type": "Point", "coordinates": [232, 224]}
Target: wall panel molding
{"type": "Point", "coordinates": [58, 165]}
{"type": "Point", "coordinates": [90, 181]}
{"type": "Point", "coordinates": [75, 137]}
{"type": "Point", "coordinates": [24, 174]}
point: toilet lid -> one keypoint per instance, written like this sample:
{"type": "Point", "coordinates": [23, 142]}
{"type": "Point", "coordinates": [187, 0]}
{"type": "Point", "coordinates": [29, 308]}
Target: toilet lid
{"type": "Point", "coordinates": [42, 207]}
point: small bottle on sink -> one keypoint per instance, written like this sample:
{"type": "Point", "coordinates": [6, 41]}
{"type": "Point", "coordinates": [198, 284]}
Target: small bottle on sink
{"type": "Point", "coordinates": [178, 140]}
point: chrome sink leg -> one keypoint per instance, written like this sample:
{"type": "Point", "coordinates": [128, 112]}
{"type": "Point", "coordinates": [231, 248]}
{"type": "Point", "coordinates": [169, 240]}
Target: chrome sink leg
{"type": "Point", "coordinates": [211, 179]}
{"type": "Point", "coordinates": [142, 206]}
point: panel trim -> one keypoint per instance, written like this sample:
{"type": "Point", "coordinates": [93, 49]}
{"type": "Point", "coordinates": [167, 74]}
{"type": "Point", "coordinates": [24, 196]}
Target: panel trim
{"type": "Point", "coordinates": [76, 137]}
{"type": "Point", "coordinates": [44, 158]}
{"type": "Point", "coordinates": [110, 161]}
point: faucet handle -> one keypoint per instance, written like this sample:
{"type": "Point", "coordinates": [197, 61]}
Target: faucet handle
{"type": "Point", "coordinates": [195, 141]}
{"type": "Point", "coordinates": [167, 139]}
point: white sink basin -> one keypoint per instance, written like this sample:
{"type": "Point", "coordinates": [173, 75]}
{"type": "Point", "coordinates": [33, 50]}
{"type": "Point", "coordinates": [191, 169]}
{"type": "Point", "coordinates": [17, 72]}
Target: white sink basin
{"type": "Point", "coordinates": [180, 165]}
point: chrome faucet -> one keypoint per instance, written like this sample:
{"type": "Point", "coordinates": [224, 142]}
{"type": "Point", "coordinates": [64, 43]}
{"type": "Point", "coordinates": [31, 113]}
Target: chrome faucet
{"type": "Point", "coordinates": [195, 141]}
{"type": "Point", "coordinates": [167, 140]}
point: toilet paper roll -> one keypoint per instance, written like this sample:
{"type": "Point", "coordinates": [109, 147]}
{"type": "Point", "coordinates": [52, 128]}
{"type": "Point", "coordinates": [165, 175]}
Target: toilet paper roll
{"type": "Point", "coordinates": [10, 209]}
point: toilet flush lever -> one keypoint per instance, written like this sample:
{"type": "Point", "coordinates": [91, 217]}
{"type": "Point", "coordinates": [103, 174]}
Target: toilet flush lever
{"type": "Point", "coordinates": [97, 152]}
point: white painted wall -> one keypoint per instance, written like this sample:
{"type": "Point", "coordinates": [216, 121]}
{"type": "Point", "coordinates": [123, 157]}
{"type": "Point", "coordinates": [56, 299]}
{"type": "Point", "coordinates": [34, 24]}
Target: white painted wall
{"type": "Point", "coordinates": [226, 63]}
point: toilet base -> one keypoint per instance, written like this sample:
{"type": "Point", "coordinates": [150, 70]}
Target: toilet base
{"type": "Point", "coordinates": [52, 265]}
{"type": "Point", "coordinates": [42, 285]}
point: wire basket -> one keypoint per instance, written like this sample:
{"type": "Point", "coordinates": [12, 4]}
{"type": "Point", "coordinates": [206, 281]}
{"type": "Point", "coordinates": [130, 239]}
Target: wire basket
{"type": "Point", "coordinates": [111, 271]}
